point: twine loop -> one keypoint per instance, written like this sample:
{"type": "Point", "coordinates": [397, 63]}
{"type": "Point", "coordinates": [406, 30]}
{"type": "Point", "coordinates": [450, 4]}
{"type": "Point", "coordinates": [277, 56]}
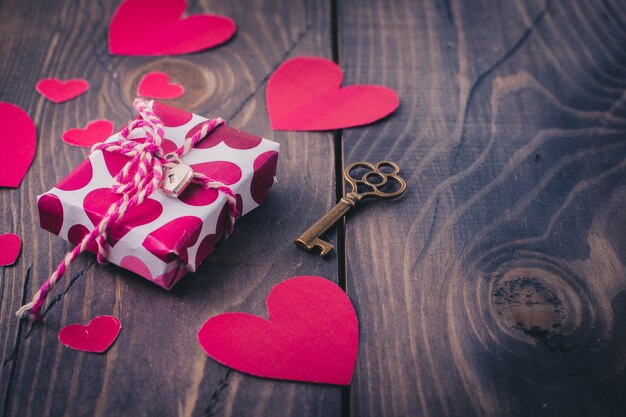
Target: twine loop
{"type": "Point", "coordinates": [139, 177]}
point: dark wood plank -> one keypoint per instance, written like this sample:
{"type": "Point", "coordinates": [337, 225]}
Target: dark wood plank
{"type": "Point", "coordinates": [156, 367]}
{"type": "Point", "coordinates": [497, 285]}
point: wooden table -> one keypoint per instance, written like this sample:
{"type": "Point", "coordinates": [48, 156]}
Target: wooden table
{"type": "Point", "coordinates": [496, 286]}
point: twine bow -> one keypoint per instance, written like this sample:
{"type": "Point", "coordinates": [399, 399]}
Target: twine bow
{"type": "Point", "coordinates": [140, 176]}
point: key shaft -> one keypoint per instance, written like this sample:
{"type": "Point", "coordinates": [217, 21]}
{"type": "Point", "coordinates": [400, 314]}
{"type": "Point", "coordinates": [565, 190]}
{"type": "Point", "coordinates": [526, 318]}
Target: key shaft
{"type": "Point", "coordinates": [310, 239]}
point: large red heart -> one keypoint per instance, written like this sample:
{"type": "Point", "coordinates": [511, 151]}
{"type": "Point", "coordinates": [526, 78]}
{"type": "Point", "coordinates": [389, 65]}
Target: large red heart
{"type": "Point", "coordinates": [157, 84]}
{"type": "Point", "coordinates": [95, 337]}
{"type": "Point", "coordinates": [155, 27]}
{"type": "Point", "coordinates": [305, 94]}
{"type": "Point", "coordinates": [95, 132]}
{"type": "Point", "coordinates": [59, 91]}
{"type": "Point", "coordinates": [18, 141]}
{"type": "Point", "coordinates": [10, 245]}
{"type": "Point", "coordinates": [312, 334]}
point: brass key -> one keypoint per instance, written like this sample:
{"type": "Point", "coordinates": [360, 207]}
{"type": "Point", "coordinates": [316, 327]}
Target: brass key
{"type": "Point", "coordinates": [373, 181]}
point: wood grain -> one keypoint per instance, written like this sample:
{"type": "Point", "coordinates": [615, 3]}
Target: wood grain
{"type": "Point", "coordinates": [497, 285]}
{"type": "Point", "coordinates": [156, 367]}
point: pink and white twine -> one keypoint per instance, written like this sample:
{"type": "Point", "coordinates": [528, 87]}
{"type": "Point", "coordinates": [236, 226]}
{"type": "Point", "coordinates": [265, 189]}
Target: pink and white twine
{"type": "Point", "coordinates": [139, 177]}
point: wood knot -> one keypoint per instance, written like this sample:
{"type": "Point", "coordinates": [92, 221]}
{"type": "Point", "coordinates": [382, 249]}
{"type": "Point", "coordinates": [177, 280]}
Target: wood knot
{"type": "Point", "coordinates": [537, 305]}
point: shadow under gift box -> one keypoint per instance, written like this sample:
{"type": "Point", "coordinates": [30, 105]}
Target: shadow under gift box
{"type": "Point", "coordinates": [165, 237]}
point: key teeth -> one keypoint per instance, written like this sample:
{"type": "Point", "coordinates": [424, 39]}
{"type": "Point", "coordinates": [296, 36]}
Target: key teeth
{"type": "Point", "coordinates": [323, 246]}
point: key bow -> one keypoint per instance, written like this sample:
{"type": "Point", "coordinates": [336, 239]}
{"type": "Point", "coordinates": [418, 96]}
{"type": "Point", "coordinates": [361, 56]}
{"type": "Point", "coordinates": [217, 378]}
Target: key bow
{"type": "Point", "coordinates": [375, 179]}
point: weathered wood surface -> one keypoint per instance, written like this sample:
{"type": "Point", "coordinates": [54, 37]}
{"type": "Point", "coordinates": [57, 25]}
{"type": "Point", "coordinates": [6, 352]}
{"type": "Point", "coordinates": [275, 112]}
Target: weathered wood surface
{"type": "Point", "coordinates": [497, 286]}
{"type": "Point", "coordinates": [156, 367]}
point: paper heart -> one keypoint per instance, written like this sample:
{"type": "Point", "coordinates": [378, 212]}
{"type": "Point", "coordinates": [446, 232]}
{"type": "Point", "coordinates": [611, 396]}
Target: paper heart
{"type": "Point", "coordinates": [311, 335]}
{"type": "Point", "coordinates": [18, 141]}
{"type": "Point", "coordinates": [59, 91]}
{"type": "Point", "coordinates": [155, 27]}
{"type": "Point", "coordinates": [158, 85]}
{"type": "Point", "coordinates": [94, 132]}
{"type": "Point", "coordinates": [95, 337]}
{"type": "Point", "coordinates": [305, 94]}
{"type": "Point", "coordinates": [10, 245]}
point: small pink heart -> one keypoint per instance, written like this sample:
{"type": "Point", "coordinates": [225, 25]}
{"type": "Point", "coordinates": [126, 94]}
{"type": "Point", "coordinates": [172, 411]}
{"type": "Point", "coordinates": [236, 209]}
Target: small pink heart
{"type": "Point", "coordinates": [95, 337]}
{"type": "Point", "coordinates": [95, 132]}
{"type": "Point", "coordinates": [158, 85]}
{"type": "Point", "coordinates": [10, 245]}
{"type": "Point", "coordinates": [59, 91]}
{"type": "Point", "coordinates": [156, 27]}
{"type": "Point", "coordinates": [18, 141]}
{"type": "Point", "coordinates": [311, 335]}
{"type": "Point", "coordinates": [305, 94]}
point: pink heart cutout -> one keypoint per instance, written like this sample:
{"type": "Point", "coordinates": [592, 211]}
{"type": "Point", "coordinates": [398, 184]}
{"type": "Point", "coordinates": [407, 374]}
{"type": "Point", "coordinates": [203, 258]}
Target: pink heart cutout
{"type": "Point", "coordinates": [10, 245]}
{"type": "Point", "coordinates": [155, 27]}
{"type": "Point", "coordinates": [305, 94]}
{"type": "Point", "coordinates": [311, 335]}
{"type": "Point", "coordinates": [96, 337]}
{"type": "Point", "coordinates": [158, 85]}
{"type": "Point", "coordinates": [59, 91]}
{"type": "Point", "coordinates": [18, 141]}
{"type": "Point", "coordinates": [95, 132]}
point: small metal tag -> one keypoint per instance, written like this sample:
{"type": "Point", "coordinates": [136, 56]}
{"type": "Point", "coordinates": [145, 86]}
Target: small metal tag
{"type": "Point", "coordinates": [176, 179]}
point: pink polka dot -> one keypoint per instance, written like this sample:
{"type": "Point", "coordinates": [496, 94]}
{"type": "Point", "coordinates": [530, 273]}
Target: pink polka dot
{"type": "Point", "coordinates": [168, 146]}
{"type": "Point", "coordinates": [114, 162]}
{"type": "Point", "coordinates": [76, 234]}
{"type": "Point", "coordinates": [171, 240]}
{"type": "Point", "coordinates": [50, 213]}
{"type": "Point", "coordinates": [77, 179]}
{"type": "Point", "coordinates": [136, 265]}
{"type": "Point", "coordinates": [171, 116]}
{"type": "Point", "coordinates": [98, 201]}
{"type": "Point", "coordinates": [208, 243]}
{"type": "Point", "coordinates": [208, 141]}
{"type": "Point", "coordinates": [233, 138]}
{"type": "Point", "coordinates": [264, 172]}
{"type": "Point", "coordinates": [168, 279]}
{"type": "Point", "coordinates": [195, 195]}
{"type": "Point", "coordinates": [222, 171]}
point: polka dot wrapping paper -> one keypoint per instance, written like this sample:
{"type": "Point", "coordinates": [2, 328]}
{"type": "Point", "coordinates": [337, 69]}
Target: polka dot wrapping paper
{"type": "Point", "coordinates": [165, 237]}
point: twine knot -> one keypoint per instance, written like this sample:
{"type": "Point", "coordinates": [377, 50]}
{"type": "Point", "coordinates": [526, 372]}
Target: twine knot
{"type": "Point", "coordinates": [147, 169]}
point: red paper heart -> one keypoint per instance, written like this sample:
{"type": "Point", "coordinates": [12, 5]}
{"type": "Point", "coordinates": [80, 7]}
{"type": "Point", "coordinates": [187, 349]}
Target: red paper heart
{"type": "Point", "coordinates": [18, 141]}
{"type": "Point", "coordinates": [59, 91]}
{"type": "Point", "coordinates": [311, 335]}
{"type": "Point", "coordinates": [94, 132]}
{"type": "Point", "coordinates": [305, 94]}
{"type": "Point", "coordinates": [10, 245]}
{"type": "Point", "coordinates": [155, 27]}
{"type": "Point", "coordinates": [96, 337]}
{"type": "Point", "coordinates": [158, 85]}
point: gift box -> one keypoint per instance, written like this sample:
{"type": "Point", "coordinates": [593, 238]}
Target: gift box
{"type": "Point", "coordinates": [165, 237]}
